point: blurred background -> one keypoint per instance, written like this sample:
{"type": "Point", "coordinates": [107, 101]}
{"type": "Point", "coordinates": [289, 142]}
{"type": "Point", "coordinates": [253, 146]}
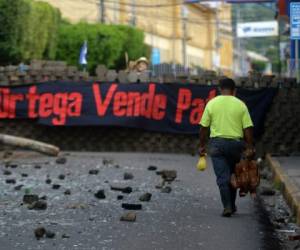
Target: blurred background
{"type": "Point", "coordinates": [231, 37]}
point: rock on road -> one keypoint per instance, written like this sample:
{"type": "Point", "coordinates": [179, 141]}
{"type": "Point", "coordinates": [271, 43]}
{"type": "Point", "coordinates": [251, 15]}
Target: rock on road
{"type": "Point", "coordinates": [186, 218]}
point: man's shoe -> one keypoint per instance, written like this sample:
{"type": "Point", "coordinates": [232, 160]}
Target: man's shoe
{"type": "Point", "coordinates": [227, 212]}
{"type": "Point", "coordinates": [234, 210]}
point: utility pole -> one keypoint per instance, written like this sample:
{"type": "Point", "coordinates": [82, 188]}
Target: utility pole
{"type": "Point", "coordinates": [102, 11]}
{"type": "Point", "coordinates": [238, 16]}
{"type": "Point", "coordinates": [218, 42]}
{"type": "Point", "coordinates": [133, 13]}
{"type": "Point", "coordinates": [240, 46]}
{"type": "Point", "coordinates": [184, 15]}
{"type": "Point", "coordinates": [279, 45]}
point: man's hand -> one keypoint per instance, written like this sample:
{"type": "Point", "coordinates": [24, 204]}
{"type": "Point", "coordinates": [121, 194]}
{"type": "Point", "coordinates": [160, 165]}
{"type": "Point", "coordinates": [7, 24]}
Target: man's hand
{"type": "Point", "coordinates": [249, 152]}
{"type": "Point", "coordinates": [248, 136]}
{"type": "Point", "coordinates": [202, 151]}
{"type": "Point", "coordinates": [203, 138]}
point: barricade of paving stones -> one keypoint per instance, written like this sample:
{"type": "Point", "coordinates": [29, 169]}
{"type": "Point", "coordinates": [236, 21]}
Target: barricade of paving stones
{"type": "Point", "coordinates": [102, 139]}
{"type": "Point", "coordinates": [280, 137]}
{"type": "Point", "coordinates": [41, 71]}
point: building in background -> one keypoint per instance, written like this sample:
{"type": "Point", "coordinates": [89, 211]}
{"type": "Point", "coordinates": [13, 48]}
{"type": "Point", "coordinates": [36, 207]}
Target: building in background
{"type": "Point", "coordinates": [194, 35]}
{"type": "Point", "coordinates": [246, 61]}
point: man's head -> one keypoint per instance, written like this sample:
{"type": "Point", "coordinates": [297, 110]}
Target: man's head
{"type": "Point", "coordinates": [142, 64]}
{"type": "Point", "coordinates": [227, 86]}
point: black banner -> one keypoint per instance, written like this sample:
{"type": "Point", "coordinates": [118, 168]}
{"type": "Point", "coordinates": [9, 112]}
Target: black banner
{"type": "Point", "coordinates": [175, 108]}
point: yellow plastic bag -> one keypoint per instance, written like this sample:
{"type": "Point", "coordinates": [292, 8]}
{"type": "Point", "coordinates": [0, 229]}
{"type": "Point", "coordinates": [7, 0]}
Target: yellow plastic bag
{"type": "Point", "coordinates": [201, 165]}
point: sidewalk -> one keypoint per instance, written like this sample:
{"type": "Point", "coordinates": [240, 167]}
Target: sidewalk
{"type": "Point", "coordinates": [286, 172]}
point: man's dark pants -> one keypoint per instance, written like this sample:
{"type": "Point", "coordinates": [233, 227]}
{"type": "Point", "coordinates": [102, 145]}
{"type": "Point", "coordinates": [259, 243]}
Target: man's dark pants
{"type": "Point", "coordinates": [225, 153]}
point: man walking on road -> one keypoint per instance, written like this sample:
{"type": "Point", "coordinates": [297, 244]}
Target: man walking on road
{"type": "Point", "coordinates": [230, 133]}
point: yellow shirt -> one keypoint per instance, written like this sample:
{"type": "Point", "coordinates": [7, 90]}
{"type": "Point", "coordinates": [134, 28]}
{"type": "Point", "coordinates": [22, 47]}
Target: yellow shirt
{"type": "Point", "coordinates": [226, 116]}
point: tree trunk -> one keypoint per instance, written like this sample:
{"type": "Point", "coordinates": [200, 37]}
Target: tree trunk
{"type": "Point", "coordinates": [29, 144]}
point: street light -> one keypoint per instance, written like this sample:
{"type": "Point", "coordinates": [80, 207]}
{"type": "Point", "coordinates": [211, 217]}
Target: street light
{"type": "Point", "coordinates": [184, 15]}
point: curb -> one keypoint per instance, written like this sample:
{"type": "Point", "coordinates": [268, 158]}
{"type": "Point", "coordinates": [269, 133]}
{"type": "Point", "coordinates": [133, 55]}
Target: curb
{"type": "Point", "coordinates": [289, 190]}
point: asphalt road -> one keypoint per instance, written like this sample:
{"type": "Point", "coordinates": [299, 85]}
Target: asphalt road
{"type": "Point", "coordinates": [187, 218]}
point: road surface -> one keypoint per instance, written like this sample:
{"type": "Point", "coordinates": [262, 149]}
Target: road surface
{"type": "Point", "coordinates": [187, 218]}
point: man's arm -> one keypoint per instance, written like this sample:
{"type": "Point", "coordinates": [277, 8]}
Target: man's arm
{"type": "Point", "coordinates": [204, 123]}
{"type": "Point", "coordinates": [203, 138]}
{"type": "Point", "coordinates": [248, 137]}
{"type": "Point", "coordinates": [248, 133]}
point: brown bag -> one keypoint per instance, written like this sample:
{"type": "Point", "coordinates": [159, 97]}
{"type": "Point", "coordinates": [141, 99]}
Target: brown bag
{"type": "Point", "coordinates": [245, 177]}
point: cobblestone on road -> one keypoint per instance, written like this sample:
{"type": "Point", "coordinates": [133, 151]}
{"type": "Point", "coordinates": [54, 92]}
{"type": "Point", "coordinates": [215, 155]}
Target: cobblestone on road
{"type": "Point", "coordinates": [186, 218]}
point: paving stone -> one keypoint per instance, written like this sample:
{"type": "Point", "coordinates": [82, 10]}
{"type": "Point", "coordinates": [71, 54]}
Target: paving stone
{"type": "Point", "coordinates": [61, 160]}
{"type": "Point", "coordinates": [94, 171]}
{"type": "Point", "coordinates": [61, 177]}
{"type": "Point", "coordinates": [65, 236]}
{"type": "Point", "coordinates": [267, 191]}
{"type": "Point", "coordinates": [131, 206]}
{"type": "Point", "coordinates": [19, 187]}
{"type": "Point", "coordinates": [168, 175]}
{"type": "Point", "coordinates": [107, 162]}
{"type": "Point", "coordinates": [120, 197]}
{"type": "Point", "coordinates": [39, 232]}
{"type": "Point", "coordinates": [125, 190]}
{"type": "Point", "coordinates": [30, 198]}
{"type": "Point", "coordinates": [166, 190]}
{"type": "Point", "coordinates": [50, 234]}
{"type": "Point", "coordinates": [100, 194]}
{"type": "Point", "coordinates": [10, 181]}
{"type": "Point", "coordinates": [264, 174]}
{"type": "Point", "coordinates": [48, 181]}
{"type": "Point", "coordinates": [7, 154]}
{"type": "Point", "coordinates": [152, 168]}
{"type": "Point", "coordinates": [128, 176]}
{"type": "Point", "coordinates": [44, 197]}
{"type": "Point", "coordinates": [55, 186]}
{"type": "Point", "coordinates": [67, 192]}
{"type": "Point", "coordinates": [145, 197]}
{"type": "Point", "coordinates": [7, 172]}
{"type": "Point", "coordinates": [130, 217]}
{"type": "Point", "coordinates": [38, 205]}
{"type": "Point", "coordinates": [10, 165]}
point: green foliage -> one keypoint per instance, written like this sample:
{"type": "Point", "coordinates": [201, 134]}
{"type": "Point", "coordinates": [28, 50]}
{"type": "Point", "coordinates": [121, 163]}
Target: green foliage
{"type": "Point", "coordinates": [259, 66]}
{"type": "Point", "coordinates": [28, 30]}
{"type": "Point", "coordinates": [107, 44]}
{"type": "Point", "coordinates": [273, 54]}
{"type": "Point", "coordinates": [40, 32]}
{"type": "Point", "coordinates": [11, 27]}
{"type": "Point", "coordinates": [133, 45]}
{"type": "Point", "coordinates": [35, 30]}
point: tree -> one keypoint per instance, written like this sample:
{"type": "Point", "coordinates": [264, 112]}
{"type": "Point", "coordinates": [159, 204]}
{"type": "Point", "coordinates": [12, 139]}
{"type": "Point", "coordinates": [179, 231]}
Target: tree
{"type": "Point", "coordinates": [28, 31]}
{"type": "Point", "coordinates": [133, 45]}
{"type": "Point", "coordinates": [107, 44]}
{"type": "Point", "coordinates": [259, 66]}
{"type": "Point", "coordinates": [39, 38]}
{"type": "Point", "coordinates": [11, 27]}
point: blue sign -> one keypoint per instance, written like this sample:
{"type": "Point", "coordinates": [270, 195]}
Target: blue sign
{"type": "Point", "coordinates": [295, 20]}
{"type": "Point", "coordinates": [155, 56]}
